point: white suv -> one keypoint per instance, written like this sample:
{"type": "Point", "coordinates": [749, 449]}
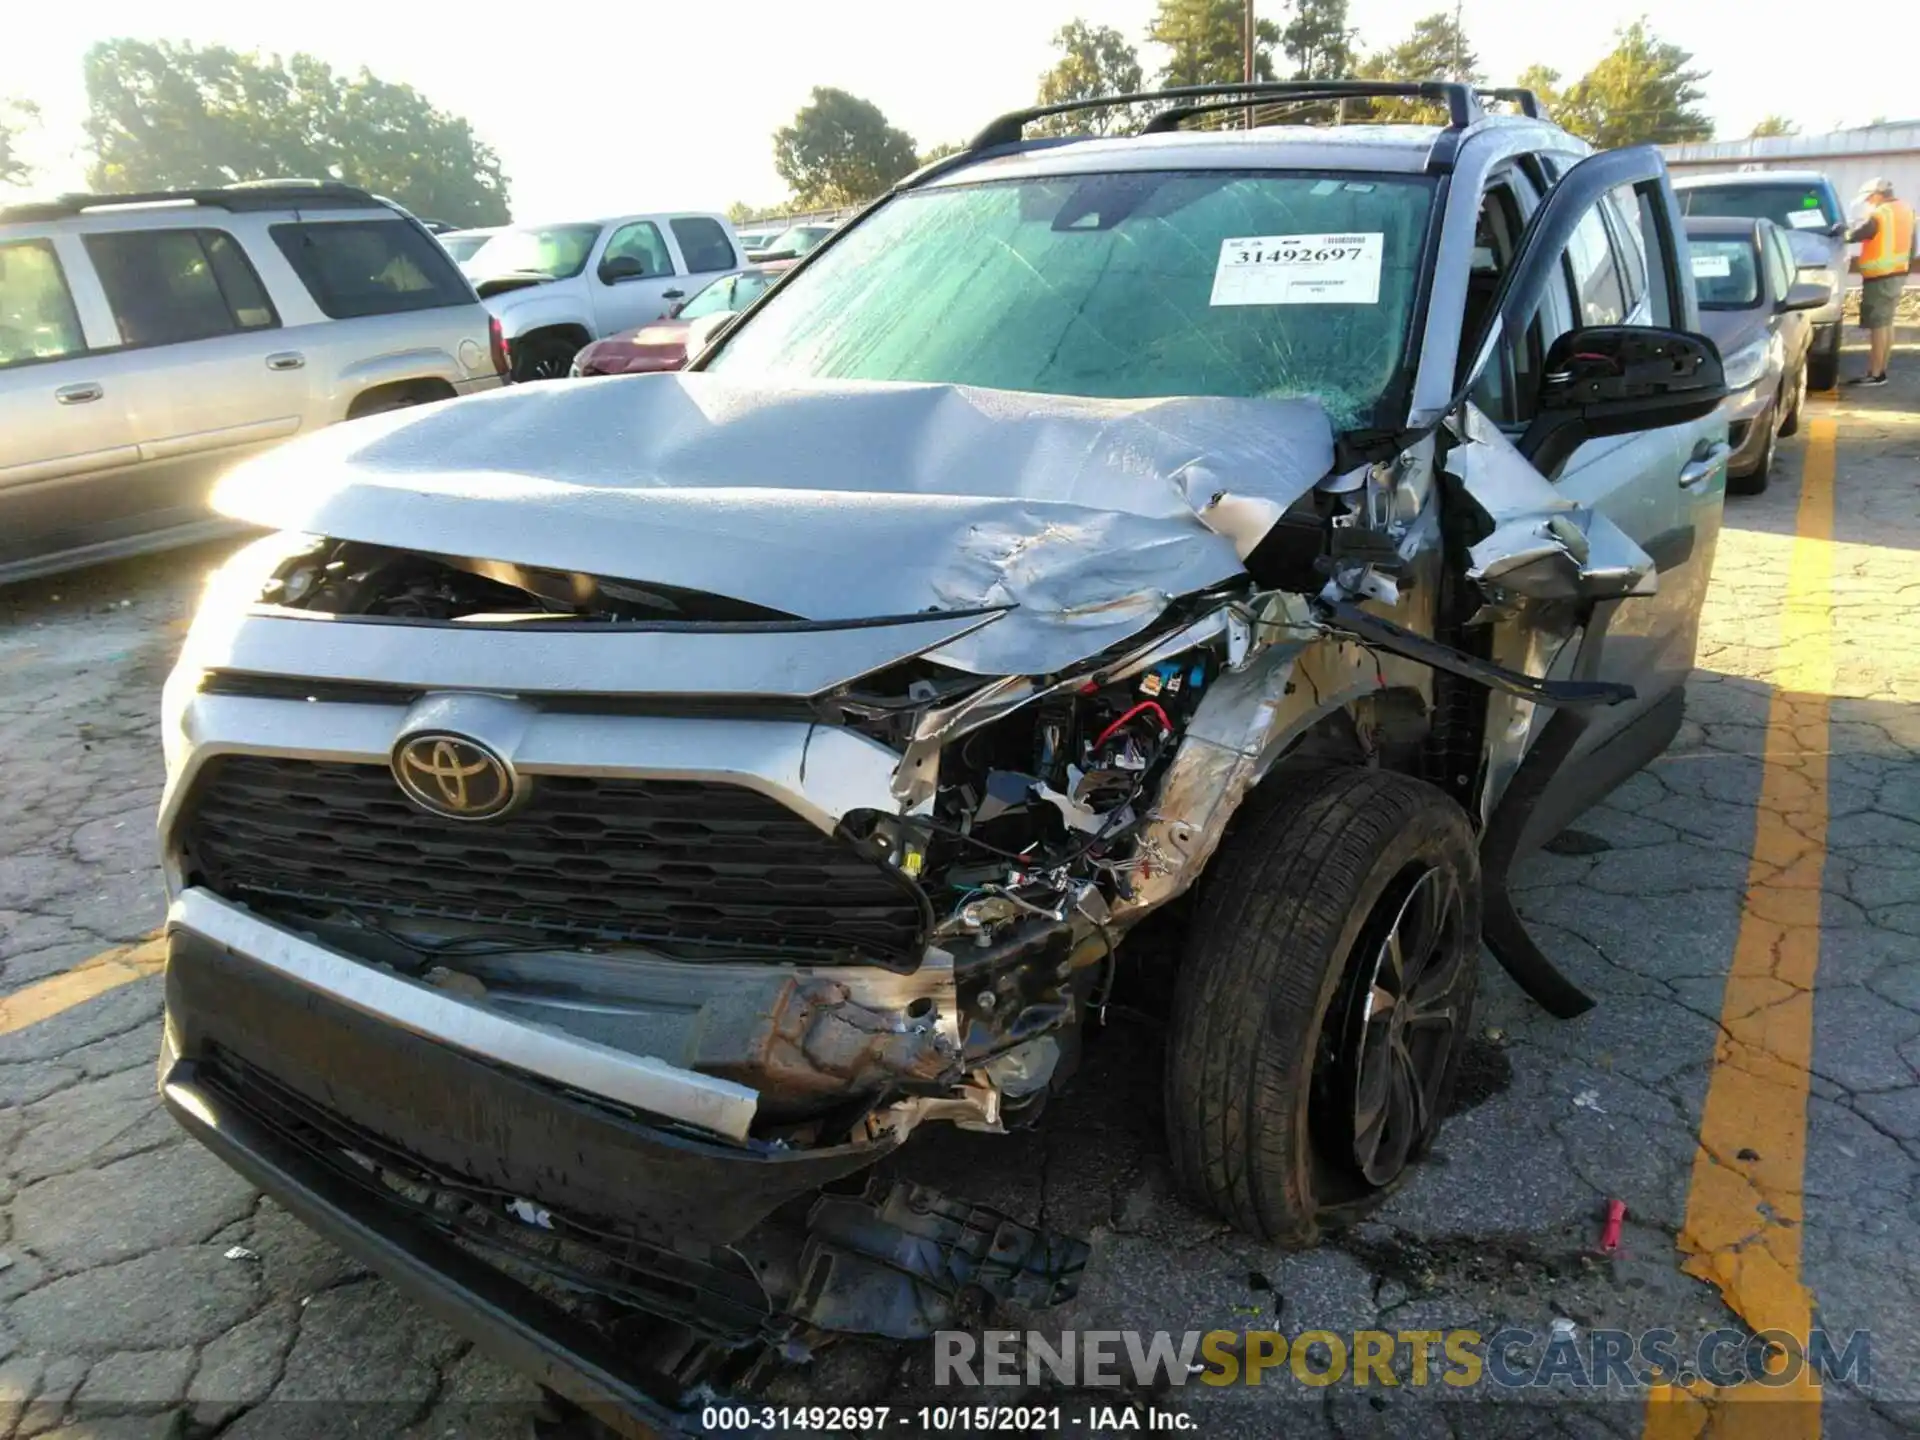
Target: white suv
{"type": "Point", "coordinates": [149, 341]}
{"type": "Point", "coordinates": [554, 288]}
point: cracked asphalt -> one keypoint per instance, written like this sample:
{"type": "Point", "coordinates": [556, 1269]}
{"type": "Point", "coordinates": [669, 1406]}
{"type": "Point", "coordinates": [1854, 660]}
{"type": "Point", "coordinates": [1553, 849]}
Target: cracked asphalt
{"type": "Point", "coordinates": [1747, 910]}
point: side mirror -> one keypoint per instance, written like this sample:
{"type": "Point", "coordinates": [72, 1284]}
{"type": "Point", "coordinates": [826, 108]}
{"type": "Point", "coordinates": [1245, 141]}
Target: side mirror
{"type": "Point", "coordinates": [1804, 296]}
{"type": "Point", "coordinates": [1618, 380]}
{"type": "Point", "coordinates": [621, 267]}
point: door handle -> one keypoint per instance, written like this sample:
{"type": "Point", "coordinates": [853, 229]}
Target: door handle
{"type": "Point", "coordinates": [1700, 468]}
{"type": "Point", "coordinates": [672, 294]}
{"type": "Point", "coordinates": [286, 360]}
{"type": "Point", "coordinates": [84, 393]}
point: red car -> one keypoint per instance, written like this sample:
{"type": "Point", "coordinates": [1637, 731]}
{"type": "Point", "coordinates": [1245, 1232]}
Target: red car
{"type": "Point", "coordinates": [662, 345]}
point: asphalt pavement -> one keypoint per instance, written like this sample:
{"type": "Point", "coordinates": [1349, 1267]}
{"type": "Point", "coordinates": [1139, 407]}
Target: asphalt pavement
{"type": "Point", "coordinates": [1748, 1088]}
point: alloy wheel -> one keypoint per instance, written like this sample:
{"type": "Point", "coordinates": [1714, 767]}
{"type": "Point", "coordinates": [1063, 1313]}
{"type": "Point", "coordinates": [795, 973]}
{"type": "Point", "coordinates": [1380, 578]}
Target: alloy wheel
{"type": "Point", "coordinates": [1403, 1021]}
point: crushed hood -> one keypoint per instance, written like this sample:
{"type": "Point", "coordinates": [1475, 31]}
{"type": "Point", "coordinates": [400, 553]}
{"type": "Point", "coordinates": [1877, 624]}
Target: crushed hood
{"type": "Point", "coordinates": [827, 501]}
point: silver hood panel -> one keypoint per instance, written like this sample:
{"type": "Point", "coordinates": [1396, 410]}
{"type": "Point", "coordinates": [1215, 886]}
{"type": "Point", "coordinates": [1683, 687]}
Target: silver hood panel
{"type": "Point", "coordinates": [829, 501]}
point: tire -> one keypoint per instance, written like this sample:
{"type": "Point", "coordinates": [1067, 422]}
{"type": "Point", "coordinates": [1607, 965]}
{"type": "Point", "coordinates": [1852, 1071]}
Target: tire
{"type": "Point", "coordinates": [542, 358]}
{"type": "Point", "coordinates": [1275, 1004]}
{"type": "Point", "coordinates": [1755, 483]}
{"type": "Point", "coordinates": [1823, 371]}
{"type": "Point", "coordinates": [1791, 425]}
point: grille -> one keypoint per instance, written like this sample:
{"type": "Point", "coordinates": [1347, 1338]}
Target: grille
{"type": "Point", "coordinates": [689, 866]}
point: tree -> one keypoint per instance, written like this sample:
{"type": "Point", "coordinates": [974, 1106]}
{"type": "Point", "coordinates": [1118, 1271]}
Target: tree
{"type": "Point", "coordinates": [840, 150]}
{"type": "Point", "coordinates": [1771, 125]}
{"type": "Point", "coordinates": [1437, 49]}
{"type": "Point", "coordinates": [1094, 60]}
{"type": "Point", "coordinates": [1207, 41]}
{"type": "Point", "coordinates": [1641, 93]}
{"type": "Point", "coordinates": [1318, 40]}
{"type": "Point", "coordinates": [938, 152]}
{"type": "Point", "coordinates": [163, 116]}
{"type": "Point", "coordinates": [16, 117]}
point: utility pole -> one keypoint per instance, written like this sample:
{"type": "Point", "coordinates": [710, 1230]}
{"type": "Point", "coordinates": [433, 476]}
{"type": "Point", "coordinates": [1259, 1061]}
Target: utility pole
{"type": "Point", "coordinates": [1246, 42]}
{"type": "Point", "coordinates": [1459, 42]}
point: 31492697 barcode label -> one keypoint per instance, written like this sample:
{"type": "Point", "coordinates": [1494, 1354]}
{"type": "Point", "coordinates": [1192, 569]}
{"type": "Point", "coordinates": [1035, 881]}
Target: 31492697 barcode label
{"type": "Point", "coordinates": [1299, 270]}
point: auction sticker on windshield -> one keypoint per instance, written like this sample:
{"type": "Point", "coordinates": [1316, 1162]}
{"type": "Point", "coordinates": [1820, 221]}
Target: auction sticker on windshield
{"type": "Point", "coordinates": [1299, 270]}
{"type": "Point", "coordinates": [1712, 267]}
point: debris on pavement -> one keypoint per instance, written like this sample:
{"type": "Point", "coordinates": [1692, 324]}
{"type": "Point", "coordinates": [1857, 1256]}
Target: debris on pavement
{"type": "Point", "coordinates": [1610, 1232]}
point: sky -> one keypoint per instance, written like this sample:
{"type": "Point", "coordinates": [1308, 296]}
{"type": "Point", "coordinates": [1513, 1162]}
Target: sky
{"type": "Point", "coordinates": [642, 106]}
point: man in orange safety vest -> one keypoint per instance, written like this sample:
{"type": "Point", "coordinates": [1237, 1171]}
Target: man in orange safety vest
{"type": "Point", "coordinates": [1886, 254]}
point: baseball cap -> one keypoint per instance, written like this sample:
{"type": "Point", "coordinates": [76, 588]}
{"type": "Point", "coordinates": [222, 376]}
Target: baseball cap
{"type": "Point", "coordinates": [1875, 186]}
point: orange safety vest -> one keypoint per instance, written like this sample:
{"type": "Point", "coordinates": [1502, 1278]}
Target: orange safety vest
{"type": "Point", "coordinates": [1889, 250]}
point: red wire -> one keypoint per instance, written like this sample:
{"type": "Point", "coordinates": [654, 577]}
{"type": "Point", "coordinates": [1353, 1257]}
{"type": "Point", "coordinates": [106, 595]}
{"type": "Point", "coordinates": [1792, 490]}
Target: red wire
{"type": "Point", "coordinates": [1166, 725]}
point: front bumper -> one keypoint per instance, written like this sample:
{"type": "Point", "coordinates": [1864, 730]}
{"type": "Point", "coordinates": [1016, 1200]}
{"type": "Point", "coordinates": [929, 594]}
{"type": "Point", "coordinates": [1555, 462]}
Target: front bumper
{"type": "Point", "coordinates": [470, 1092]}
{"type": "Point", "coordinates": [476, 1179]}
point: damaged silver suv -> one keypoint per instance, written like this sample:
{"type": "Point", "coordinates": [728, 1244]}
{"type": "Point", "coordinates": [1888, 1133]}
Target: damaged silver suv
{"type": "Point", "coordinates": [609, 817]}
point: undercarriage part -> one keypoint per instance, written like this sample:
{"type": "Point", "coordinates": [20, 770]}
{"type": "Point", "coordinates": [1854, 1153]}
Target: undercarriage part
{"type": "Point", "coordinates": [1384, 634]}
{"type": "Point", "coordinates": [1502, 928]}
{"type": "Point", "coordinates": [896, 1262]}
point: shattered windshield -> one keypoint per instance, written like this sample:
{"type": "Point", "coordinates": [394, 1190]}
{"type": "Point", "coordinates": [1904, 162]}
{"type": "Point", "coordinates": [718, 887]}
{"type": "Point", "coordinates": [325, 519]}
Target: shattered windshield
{"type": "Point", "coordinates": [1123, 286]}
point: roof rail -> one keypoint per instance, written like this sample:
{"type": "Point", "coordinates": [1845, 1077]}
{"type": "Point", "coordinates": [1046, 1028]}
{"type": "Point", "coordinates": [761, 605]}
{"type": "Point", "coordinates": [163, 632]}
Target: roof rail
{"type": "Point", "coordinates": [246, 195]}
{"type": "Point", "coordinates": [1462, 102]}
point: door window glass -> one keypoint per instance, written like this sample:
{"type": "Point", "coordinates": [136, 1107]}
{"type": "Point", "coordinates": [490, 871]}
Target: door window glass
{"type": "Point", "coordinates": [1595, 275]}
{"type": "Point", "coordinates": [164, 289]}
{"type": "Point", "coordinates": [37, 319]}
{"type": "Point", "coordinates": [1644, 229]}
{"type": "Point", "coordinates": [1629, 245]}
{"type": "Point", "coordinates": [371, 267]}
{"type": "Point", "coordinates": [641, 242]}
{"type": "Point", "coordinates": [1505, 389]}
{"type": "Point", "coordinates": [703, 244]}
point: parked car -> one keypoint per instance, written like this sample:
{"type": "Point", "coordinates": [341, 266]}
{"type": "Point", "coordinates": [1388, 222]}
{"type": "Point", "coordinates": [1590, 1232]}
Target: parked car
{"type": "Point", "coordinates": [662, 345]}
{"type": "Point", "coordinates": [555, 288]}
{"type": "Point", "coordinates": [774, 752]}
{"type": "Point", "coordinates": [147, 342]}
{"type": "Point", "coordinates": [1803, 201]}
{"type": "Point", "coordinates": [794, 241]}
{"type": "Point", "coordinates": [463, 245]}
{"type": "Point", "coordinates": [757, 239]}
{"type": "Point", "coordinates": [1756, 310]}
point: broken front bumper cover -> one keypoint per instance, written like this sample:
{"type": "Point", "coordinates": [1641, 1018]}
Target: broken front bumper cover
{"type": "Point", "coordinates": [385, 1123]}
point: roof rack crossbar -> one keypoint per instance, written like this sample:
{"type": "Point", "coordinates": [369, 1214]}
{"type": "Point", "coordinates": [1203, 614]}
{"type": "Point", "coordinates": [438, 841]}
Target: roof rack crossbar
{"type": "Point", "coordinates": [249, 195]}
{"type": "Point", "coordinates": [1169, 120]}
{"type": "Point", "coordinates": [1528, 102]}
{"type": "Point", "coordinates": [1462, 102]}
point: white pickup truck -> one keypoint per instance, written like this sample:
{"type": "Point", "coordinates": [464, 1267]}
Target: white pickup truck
{"type": "Point", "coordinates": [554, 288]}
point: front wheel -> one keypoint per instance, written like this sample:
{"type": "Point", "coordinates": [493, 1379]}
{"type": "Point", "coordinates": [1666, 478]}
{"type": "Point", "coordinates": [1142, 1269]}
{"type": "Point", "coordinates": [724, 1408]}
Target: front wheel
{"type": "Point", "coordinates": [542, 358]}
{"type": "Point", "coordinates": [1326, 992]}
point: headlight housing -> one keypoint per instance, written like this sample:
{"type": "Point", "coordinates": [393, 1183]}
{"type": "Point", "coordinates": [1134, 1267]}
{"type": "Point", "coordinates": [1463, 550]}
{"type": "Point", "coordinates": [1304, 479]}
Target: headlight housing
{"type": "Point", "coordinates": [1746, 365]}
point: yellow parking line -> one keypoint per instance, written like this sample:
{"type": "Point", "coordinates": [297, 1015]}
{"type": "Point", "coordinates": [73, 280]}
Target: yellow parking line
{"type": "Point", "coordinates": [1744, 1214]}
{"type": "Point", "coordinates": [106, 971]}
